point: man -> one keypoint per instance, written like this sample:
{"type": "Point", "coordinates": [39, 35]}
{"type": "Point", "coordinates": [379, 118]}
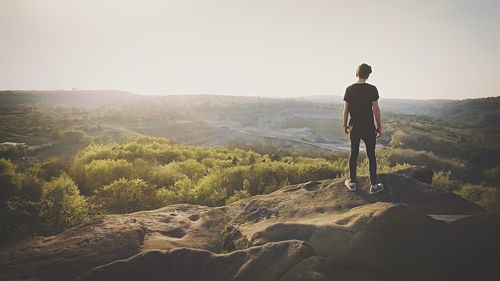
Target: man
{"type": "Point", "coordinates": [361, 102]}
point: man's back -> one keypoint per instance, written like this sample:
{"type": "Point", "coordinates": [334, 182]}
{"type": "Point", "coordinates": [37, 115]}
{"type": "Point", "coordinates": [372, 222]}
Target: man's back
{"type": "Point", "coordinates": [360, 96]}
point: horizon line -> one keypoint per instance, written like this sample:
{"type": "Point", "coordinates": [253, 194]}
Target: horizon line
{"type": "Point", "coordinates": [232, 94]}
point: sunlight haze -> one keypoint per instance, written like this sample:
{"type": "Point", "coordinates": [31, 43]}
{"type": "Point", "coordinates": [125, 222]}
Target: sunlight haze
{"type": "Point", "coordinates": [418, 49]}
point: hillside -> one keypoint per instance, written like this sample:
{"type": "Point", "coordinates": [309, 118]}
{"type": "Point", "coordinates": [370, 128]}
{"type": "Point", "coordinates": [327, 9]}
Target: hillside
{"type": "Point", "coordinates": [310, 231]}
{"type": "Point", "coordinates": [482, 112]}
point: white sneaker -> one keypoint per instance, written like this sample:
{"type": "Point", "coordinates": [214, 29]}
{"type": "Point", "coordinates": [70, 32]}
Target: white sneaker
{"type": "Point", "coordinates": [350, 185]}
{"type": "Point", "coordinates": [376, 188]}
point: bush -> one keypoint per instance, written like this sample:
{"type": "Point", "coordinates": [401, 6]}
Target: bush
{"type": "Point", "coordinates": [30, 186]}
{"type": "Point", "coordinates": [486, 197]}
{"type": "Point", "coordinates": [238, 195]}
{"type": "Point", "coordinates": [61, 205]}
{"type": "Point", "coordinates": [442, 181]}
{"type": "Point", "coordinates": [19, 219]}
{"type": "Point", "coordinates": [127, 196]}
{"type": "Point", "coordinates": [166, 175]}
{"type": "Point", "coordinates": [9, 180]}
{"type": "Point", "coordinates": [493, 176]}
{"type": "Point", "coordinates": [53, 167]}
{"type": "Point", "coordinates": [429, 159]}
{"type": "Point", "coordinates": [384, 163]}
{"type": "Point", "coordinates": [101, 172]}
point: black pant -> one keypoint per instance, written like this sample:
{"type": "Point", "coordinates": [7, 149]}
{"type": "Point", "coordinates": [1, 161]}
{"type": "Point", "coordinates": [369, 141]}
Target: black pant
{"type": "Point", "coordinates": [368, 136]}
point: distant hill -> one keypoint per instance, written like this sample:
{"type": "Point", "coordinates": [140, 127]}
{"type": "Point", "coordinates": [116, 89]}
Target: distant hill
{"type": "Point", "coordinates": [482, 112]}
{"type": "Point", "coordinates": [390, 105]}
{"type": "Point", "coordinates": [75, 98]}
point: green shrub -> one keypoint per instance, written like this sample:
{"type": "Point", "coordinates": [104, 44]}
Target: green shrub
{"type": "Point", "coordinates": [486, 197]}
{"type": "Point", "coordinates": [429, 159]}
{"type": "Point", "coordinates": [101, 172]}
{"type": "Point", "coordinates": [9, 180]}
{"type": "Point", "coordinates": [53, 167]}
{"type": "Point", "coordinates": [166, 175]}
{"type": "Point", "coordinates": [127, 196]}
{"type": "Point", "coordinates": [20, 220]}
{"type": "Point", "coordinates": [238, 195]}
{"type": "Point", "coordinates": [384, 164]}
{"type": "Point", "coordinates": [61, 205]}
{"type": "Point", "coordinates": [442, 181]}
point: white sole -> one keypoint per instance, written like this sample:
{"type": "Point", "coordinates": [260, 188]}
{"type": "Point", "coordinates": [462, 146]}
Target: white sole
{"type": "Point", "coordinates": [350, 189]}
{"type": "Point", "coordinates": [378, 191]}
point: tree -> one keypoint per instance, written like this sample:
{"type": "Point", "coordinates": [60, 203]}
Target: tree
{"type": "Point", "coordinates": [61, 205]}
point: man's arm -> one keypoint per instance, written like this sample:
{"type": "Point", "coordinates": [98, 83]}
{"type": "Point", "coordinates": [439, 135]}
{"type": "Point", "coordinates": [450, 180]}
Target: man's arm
{"type": "Point", "coordinates": [378, 118]}
{"type": "Point", "coordinates": [346, 116]}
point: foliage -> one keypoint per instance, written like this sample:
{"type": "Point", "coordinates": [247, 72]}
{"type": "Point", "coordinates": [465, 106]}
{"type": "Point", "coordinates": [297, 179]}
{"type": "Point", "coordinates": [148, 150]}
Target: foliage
{"type": "Point", "coordinates": [104, 171]}
{"type": "Point", "coordinates": [126, 196]}
{"type": "Point", "coordinates": [493, 175]}
{"type": "Point", "coordinates": [61, 205]}
{"type": "Point", "coordinates": [53, 167]}
{"type": "Point", "coordinates": [185, 174]}
{"type": "Point", "coordinates": [441, 180]}
{"type": "Point", "coordinates": [384, 163]}
{"type": "Point", "coordinates": [19, 219]}
{"type": "Point", "coordinates": [429, 159]}
{"type": "Point", "coordinates": [76, 136]}
{"type": "Point", "coordinates": [486, 197]}
{"type": "Point", "coordinates": [9, 180]}
{"type": "Point", "coordinates": [238, 195]}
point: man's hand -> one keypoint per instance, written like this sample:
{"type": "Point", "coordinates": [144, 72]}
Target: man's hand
{"type": "Point", "coordinates": [347, 129]}
{"type": "Point", "coordinates": [378, 132]}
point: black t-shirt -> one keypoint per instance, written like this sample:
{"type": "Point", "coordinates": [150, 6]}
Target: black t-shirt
{"type": "Point", "coordinates": [360, 96]}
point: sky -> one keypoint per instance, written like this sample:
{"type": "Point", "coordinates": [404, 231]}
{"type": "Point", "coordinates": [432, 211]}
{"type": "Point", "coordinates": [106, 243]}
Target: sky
{"type": "Point", "coordinates": [417, 49]}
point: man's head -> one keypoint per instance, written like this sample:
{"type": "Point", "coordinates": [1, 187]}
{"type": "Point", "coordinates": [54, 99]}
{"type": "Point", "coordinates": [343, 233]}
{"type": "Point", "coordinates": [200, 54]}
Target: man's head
{"type": "Point", "coordinates": [363, 71]}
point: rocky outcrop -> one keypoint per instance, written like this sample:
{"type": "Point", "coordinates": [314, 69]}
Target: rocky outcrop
{"type": "Point", "coordinates": [114, 237]}
{"type": "Point", "coordinates": [311, 231]}
{"type": "Point", "coordinates": [267, 262]}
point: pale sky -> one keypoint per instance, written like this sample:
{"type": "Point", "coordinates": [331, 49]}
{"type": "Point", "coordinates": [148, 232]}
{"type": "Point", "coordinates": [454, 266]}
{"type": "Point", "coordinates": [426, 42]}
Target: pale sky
{"type": "Point", "coordinates": [418, 49]}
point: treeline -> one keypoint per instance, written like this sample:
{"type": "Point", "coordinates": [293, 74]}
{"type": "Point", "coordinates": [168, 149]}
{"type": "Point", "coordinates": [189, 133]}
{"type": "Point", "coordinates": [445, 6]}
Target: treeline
{"type": "Point", "coordinates": [185, 174]}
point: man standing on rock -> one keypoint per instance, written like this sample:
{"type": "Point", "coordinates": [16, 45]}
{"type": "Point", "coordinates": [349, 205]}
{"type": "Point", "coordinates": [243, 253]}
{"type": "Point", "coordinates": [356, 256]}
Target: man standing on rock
{"type": "Point", "coordinates": [361, 102]}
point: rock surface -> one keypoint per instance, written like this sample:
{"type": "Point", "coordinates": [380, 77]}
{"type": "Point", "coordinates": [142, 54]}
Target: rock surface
{"type": "Point", "coordinates": [188, 264]}
{"type": "Point", "coordinates": [310, 231]}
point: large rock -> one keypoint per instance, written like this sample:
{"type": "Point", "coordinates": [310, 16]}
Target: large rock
{"type": "Point", "coordinates": [311, 231]}
{"type": "Point", "coordinates": [266, 263]}
{"type": "Point", "coordinates": [114, 237]}
{"type": "Point", "coordinates": [321, 201]}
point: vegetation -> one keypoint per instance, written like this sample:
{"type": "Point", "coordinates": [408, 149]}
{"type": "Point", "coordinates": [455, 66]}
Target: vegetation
{"type": "Point", "coordinates": [32, 205]}
{"type": "Point", "coordinates": [185, 174]}
{"type": "Point", "coordinates": [61, 205]}
{"type": "Point", "coordinates": [127, 196]}
{"type": "Point", "coordinates": [484, 196]}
